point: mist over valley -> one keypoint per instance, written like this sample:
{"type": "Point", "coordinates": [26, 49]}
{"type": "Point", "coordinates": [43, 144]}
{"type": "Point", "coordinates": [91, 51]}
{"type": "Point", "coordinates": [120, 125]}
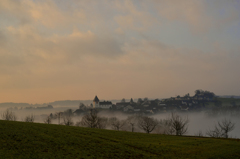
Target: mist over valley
{"type": "Point", "coordinates": [202, 117]}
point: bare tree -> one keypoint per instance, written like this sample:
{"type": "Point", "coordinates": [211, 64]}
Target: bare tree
{"type": "Point", "coordinates": [132, 121]}
{"type": "Point", "coordinates": [9, 115]}
{"type": "Point", "coordinates": [67, 120]}
{"type": "Point", "coordinates": [221, 129]}
{"type": "Point", "coordinates": [179, 125]}
{"type": "Point", "coordinates": [48, 120]}
{"type": "Point", "coordinates": [29, 118]}
{"type": "Point", "coordinates": [102, 122]}
{"type": "Point", "coordinates": [58, 115]}
{"type": "Point", "coordinates": [116, 124]}
{"type": "Point", "coordinates": [216, 132]}
{"type": "Point", "coordinates": [68, 112]}
{"type": "Point", "coordinates": [226, 126]}
{"type": "Point", "coordinates": [147, 124]}
{"type": "Point", "coordinates": [92, 120]}
{"type": "Point", "coordinates": [166, 126]}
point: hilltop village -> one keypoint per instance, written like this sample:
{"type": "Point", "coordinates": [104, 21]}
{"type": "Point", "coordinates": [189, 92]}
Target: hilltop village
{"type": "Point", "coordinates": [146, 106]}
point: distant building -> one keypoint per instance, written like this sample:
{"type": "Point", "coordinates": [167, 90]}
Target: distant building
{"type": "Point", "coordinates": [103, 105]}
{"type": "Point", "coordinates": [126, 106]}
{"type": "Point", "coordinates": [96, 102]}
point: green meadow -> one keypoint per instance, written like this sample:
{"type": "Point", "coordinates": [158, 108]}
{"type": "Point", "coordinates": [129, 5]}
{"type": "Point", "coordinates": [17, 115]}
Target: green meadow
{"type": "Point", "coordinates": [35, 140]}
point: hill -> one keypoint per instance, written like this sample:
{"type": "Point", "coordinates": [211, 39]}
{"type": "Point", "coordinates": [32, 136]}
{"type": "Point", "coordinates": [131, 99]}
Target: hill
{"type": "Point", "coordinates": [224, 102]}
{"type": "Point", "coordinates": [34, 140]}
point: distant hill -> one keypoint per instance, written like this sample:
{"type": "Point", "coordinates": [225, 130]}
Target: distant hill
{"type": "Point", "coordinates": [70, 102]}
{"type": "Point", "coordinates": [14, 104]}
{"type": "Point", "coordinates": [62, 103]}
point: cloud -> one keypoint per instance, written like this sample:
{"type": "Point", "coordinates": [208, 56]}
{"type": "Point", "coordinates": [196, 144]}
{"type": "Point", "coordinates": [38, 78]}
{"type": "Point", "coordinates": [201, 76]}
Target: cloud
{"type": "Point", "coordinates": [133, 17]}
{"type": "Point", "coordinates": [201, 16]}
{"type": "Point", "coordinates": [14, 11]}
{"type": "Point", "coordinates": [46, 13]}
{"type": "Point", "coordinates": [116, 48]}
{"type": "Point", "coordinates": [50, 15]}
{"type": "Point", "coordinates": [2, 38]}
{"type": "Point", "coordinates": [78, 44]}
{"type": "Point", "coordinates": [32, 48]}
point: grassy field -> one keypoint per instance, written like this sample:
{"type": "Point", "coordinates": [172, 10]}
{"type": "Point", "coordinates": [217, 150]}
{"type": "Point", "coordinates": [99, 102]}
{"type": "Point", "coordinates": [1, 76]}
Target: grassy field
{"type": "Point", "coordinates": [34, 140]}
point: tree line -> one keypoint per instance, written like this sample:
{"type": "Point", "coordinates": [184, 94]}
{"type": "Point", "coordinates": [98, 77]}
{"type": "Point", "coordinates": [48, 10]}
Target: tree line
{"type": "Point", "coordinates": [173, 125]}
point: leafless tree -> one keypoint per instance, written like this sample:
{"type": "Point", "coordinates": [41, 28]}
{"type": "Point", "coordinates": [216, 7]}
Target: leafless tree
{"type": "Point", "coordinates": [166, 126]}
{"type": "Point", "coordinates": [179, 125]}
{"type": "Point", "coordinates": [147, 124]}
{"type": "Point", "coordinates": [226, 126]}
{"type": "Point", "coordinates": [9, 115]}
{"type": "Point", "coordinates": [29, 118]}
{"type": "Point", "coordinates": [58, 115]}
{"type": "Point", "coordinates": [48, 120]}
{"type": "Point", "coordinates": [216, 132]}
{"type": "Point", "coordinates": [102, 122]}
{"type": "Point", "coordinates": [92, 120]}
{"type": "Point", "coordinates": [67, 120]}
{"type": "Point", "coordinates": [132, 121]}
{"type": "Point", "coordinates": [116, 124]}
{"type": "Point", "coordinates": [221, 129]}
{"type": "Point", "coordinates": [68, 112]}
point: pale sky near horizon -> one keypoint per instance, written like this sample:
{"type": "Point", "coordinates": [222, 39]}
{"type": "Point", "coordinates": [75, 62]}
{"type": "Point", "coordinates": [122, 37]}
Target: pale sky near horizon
{"type": "Point", "coordinates": [73, 50]}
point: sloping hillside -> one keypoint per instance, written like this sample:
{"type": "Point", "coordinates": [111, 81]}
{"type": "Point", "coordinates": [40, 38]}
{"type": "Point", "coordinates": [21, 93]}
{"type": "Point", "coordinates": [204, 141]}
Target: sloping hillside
{"type": "Point", "coordinates": [33, 140]}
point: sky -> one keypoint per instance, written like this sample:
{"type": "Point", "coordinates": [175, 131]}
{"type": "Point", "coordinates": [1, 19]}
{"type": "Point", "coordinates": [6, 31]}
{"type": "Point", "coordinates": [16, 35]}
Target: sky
{"type": "Point", "coordinates": [73, 50]}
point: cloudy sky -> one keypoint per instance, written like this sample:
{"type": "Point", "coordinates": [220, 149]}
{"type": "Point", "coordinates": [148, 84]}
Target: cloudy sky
{"type": "Point", "coordinates": [58, 50]}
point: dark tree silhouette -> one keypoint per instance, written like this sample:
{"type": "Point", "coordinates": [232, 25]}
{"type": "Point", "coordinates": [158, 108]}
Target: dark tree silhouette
{"type": "Point", "coordinates": [116, 124]}
{"type": "Point", "coordinates": [67, 120]}
{"type": "Point", "coordinates": [29, 118]}
{"type": "Point", "coordinates": [58, 115]}
{"type": "Point", "coordinates": [139, 100]}
{"type": "Point", "coordinates": [221, 129]}
{"type": "Point", "coordinates": [9, 115]}
{"type": "Point", "coordinates": [123, 100]}
{"type": "Point", "coordinates": [226, 126]}
{"type": "Point", "coordinates": [48, 120]}
{"type": "Point", "coordinates": [92, 120]}
{"type": "Point", "coordinates": [132, 121]}
{"type": "Point", "coordinates": [147, 124]}
{"type": "Point", "coordinates": [178, 124]}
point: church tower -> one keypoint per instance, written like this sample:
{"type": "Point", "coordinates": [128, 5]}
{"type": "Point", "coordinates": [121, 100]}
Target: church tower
{"type": "Point", "coordinates": [131, 101]}
{"type": "Point", "coordinates": [95, 102]}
